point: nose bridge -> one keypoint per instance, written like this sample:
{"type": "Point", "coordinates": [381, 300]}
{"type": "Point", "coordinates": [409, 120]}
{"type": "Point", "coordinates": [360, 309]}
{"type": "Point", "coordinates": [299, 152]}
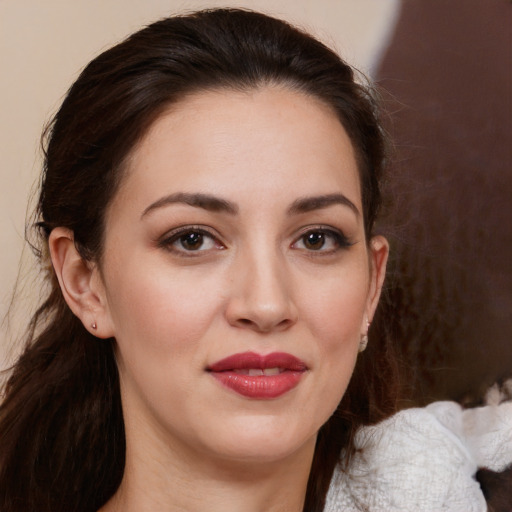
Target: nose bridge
{"type": "Point", "coordinates": [262, 297]}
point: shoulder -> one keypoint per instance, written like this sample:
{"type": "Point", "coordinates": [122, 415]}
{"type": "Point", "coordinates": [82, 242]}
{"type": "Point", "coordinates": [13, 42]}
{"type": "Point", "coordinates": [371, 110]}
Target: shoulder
{"type": "Point", "coordinates": [425, 459]}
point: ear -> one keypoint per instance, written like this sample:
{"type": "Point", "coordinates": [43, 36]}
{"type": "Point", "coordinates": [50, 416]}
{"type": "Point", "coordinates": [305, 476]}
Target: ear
{"type": "Point", "coordinates": [81, 283]}
{"type": "Point", "coordinates": [379, 251]}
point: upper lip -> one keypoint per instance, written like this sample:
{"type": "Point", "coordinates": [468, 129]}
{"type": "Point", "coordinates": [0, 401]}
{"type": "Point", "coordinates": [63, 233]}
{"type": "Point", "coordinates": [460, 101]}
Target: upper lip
{"type": "Point", "coordinates": [249, 360]}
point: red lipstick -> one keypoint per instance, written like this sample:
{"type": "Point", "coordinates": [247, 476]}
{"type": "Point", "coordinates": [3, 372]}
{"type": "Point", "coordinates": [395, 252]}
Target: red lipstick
{"type": "Point", "coordinates": [256, 376]}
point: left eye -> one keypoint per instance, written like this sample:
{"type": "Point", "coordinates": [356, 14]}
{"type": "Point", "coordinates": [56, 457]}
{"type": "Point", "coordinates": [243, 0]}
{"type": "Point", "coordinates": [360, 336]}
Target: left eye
{"type": "Point", "coordinates": [321, 240]}
{"type": "Point", "coordinates": [191, 240]}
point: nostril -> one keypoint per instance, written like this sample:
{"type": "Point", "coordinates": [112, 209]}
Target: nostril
{"type": "Point", "coordinates": [262, 326]}
{"type": "Point", "coordinates": [260, 312]}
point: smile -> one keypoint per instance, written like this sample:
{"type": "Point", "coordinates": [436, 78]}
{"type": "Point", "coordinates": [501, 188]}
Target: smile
{"type": "Point", "coordinates": [259, 377]}
{"type": "Point", "coordinates": [253, 372]}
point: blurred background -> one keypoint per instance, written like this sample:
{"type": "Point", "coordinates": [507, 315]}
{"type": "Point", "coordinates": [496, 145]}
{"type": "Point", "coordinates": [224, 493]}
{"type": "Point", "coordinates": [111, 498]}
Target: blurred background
{"type": "Point", "coordinates": [446, 73]}
{"type": "Point", "coordinates": [447, 81]}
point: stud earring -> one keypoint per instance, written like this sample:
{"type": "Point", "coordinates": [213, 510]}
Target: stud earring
{"type": "Point", "coordinates": [94, 326]}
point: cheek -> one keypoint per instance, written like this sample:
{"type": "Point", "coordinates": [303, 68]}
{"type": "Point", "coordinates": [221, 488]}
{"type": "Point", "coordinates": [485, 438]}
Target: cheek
{"type": "Point", "coordinates": [337, 328]}
{"type": "Point", "coordinates": [335, 317]}
{"type": "Point", "coordinates": [162, 311]}
{"type": "Point", "coordinates": [336, 311]}
{"type": "Point", "coordinates": [160, 320]}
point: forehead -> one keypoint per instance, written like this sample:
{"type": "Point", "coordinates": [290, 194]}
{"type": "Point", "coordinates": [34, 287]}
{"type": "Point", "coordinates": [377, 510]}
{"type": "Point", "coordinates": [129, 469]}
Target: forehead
{"type": "Point", "coordinates": [228, 142]}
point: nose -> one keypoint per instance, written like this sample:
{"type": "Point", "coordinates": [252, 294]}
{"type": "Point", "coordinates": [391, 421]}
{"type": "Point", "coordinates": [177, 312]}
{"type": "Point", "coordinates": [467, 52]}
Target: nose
{"type": "Point", "coordinates": [262, 296]}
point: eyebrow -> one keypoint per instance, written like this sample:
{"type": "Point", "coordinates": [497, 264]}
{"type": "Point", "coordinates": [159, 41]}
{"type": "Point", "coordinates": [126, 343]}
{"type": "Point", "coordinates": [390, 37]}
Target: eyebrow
{"type": "Point", "coordinates": [205, 201]}
{"type": "Point", "coordinates": [216, 204]}
{"type": "Point", "coordinates": [307, 204]}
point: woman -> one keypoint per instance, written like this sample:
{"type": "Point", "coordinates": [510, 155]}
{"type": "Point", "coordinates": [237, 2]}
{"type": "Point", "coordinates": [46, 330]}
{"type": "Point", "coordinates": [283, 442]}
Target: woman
{"type": "Point", "coordinates": [208, 202]}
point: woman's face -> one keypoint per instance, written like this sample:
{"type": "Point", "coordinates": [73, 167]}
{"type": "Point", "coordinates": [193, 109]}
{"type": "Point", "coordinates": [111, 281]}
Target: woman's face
{"type": "Point", "coordinates": [235, 275]}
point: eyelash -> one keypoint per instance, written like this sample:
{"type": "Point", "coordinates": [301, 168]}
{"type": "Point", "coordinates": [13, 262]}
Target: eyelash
{"type": "Point", "coordinates": [170, 239]}
{"type": "Point", "coordinates": [339, 240]}
{"type": "Point", "coordinates": [337, 237]}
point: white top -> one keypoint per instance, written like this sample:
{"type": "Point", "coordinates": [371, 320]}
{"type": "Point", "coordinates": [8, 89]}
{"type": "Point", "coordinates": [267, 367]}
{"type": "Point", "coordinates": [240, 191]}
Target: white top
{"type": "Point", "coordinates": [424, 460]}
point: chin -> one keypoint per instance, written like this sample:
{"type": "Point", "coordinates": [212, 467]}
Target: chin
{"type": "Point", "coordinates": [263, 440]}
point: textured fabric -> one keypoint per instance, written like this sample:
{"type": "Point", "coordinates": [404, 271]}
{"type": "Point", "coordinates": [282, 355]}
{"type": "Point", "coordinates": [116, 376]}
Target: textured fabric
{"type": "Point", "coordinates": [424, 460]}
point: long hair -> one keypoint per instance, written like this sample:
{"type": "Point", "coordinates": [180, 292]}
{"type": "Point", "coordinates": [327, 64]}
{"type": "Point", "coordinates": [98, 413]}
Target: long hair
{"type": "Point", "coordinates": [62, 444]}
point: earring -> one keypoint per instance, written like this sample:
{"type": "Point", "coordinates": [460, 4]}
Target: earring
{"type": "Point", "coordinates": [94, 326]}
{"type": "Point", "coordinates": [363, 343]}
{"type": "Point", "coordinates": [364, 338]}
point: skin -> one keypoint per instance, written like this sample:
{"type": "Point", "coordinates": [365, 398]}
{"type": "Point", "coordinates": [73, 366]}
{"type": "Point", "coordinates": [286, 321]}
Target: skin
{"type": "Point", "coordinates": [253, 283]}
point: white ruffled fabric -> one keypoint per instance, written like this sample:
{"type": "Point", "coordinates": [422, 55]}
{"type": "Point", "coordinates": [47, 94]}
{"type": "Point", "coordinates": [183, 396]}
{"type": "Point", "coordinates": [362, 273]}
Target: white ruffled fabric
{"type": "Point", "coordinates": [424, 460]}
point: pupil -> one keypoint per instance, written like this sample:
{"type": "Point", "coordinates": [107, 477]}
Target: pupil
{"type": "Point", "coordinates": [314, 240]}
{"type": "Point", "coordinates": [192, 240]}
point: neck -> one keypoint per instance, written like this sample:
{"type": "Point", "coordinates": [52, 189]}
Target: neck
{"type": "Point", "coordinates": [159, 478]}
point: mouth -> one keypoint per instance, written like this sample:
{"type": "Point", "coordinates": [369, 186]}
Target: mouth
{"type": "Point", "coordinates": [259, 376]}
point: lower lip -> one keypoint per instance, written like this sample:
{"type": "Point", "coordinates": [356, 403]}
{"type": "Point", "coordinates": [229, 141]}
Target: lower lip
{"type": "Point", "coordinates": [259, 387]}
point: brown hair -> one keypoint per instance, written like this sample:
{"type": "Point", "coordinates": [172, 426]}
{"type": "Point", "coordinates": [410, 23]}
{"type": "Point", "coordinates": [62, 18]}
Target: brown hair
{"type": "Point", "coordinates": [61, 426]}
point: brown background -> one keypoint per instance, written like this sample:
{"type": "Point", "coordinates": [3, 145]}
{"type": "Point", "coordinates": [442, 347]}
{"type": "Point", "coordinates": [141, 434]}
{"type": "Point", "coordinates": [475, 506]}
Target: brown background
{"type": "Point", "coordinates": [448, 72]}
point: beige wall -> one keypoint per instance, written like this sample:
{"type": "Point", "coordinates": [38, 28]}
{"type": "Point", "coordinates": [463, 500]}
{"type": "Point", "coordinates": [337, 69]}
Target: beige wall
{"type": "Point", "coordinates": [44, 44]}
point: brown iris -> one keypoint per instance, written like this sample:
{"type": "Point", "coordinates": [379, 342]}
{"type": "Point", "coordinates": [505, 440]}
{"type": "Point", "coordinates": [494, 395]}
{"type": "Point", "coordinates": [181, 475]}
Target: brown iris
{"type": "Point", "coordinates": [314, 241]}
{"type": "Point", "coordinates": [192, 241]}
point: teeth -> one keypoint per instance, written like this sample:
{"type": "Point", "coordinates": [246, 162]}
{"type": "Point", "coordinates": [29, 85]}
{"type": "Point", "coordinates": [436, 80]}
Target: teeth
{"type": "Point", "coordinates": [258, 372]}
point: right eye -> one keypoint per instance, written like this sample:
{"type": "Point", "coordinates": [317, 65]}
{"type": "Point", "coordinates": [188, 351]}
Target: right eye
{"type": "Point", "coordinates": [190, 240]}
{"type": "Point", "coordinates": [322, 240]}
